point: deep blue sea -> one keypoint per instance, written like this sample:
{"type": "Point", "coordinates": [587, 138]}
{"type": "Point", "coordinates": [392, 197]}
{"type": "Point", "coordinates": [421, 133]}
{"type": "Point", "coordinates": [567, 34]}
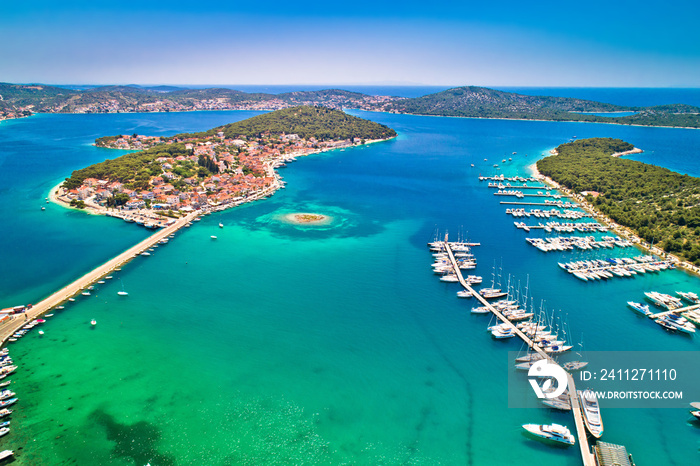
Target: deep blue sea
{"type": "Point", "coordinates": [281, 344]}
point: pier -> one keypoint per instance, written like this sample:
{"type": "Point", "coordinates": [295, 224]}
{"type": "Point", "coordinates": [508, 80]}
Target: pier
{"type": "Point", "coordinates": [555, 196]}
{"type": "Point", "coordinates": [680, 310]}
{"type": "Point", "coordinates": [586, 456]}
{"type": "Point", "coordinates": [19, 320]}
{"type": "Point", "coordinates": [560, 204]}
{"type": "Point", "coordinates": [508, 186]}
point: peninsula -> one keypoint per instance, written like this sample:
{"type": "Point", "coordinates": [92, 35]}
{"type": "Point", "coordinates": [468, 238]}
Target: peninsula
{"type": "Point", "coordinates": [212, 170]}
{"type": "Point", "coordinates": [659, 206]}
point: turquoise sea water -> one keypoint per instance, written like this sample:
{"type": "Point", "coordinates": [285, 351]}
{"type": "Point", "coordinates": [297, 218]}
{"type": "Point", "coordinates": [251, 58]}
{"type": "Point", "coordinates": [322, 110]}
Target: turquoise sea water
{"type": "Point", "coordinates": [280, 344]}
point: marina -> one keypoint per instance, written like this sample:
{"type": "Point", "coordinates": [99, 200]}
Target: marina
{"type": "Point", "coordinates": [477, 416]}
{"type": "Point", "coordinates": [509, 327]}
{"type": "Point", "coordinates": [583, 227]}
{"type": "Point", "coordinates": [561, 243]}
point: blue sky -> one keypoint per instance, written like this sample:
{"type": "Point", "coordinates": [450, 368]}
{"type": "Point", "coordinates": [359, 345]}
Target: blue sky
{"type": "Point", "coordinates": [507, 43]}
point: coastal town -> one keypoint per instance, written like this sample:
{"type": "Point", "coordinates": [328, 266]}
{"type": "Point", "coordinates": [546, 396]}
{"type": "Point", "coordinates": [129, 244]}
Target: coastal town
{"type": "Point", "coordinates": [187, 173]}
{"type": "Point", "coordinates": [21, 100]}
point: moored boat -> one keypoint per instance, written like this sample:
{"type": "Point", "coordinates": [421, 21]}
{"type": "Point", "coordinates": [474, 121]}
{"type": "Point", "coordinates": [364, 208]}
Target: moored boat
{"type": "Point", "coordinates": [6, 403]}
{"type": "Point", "coordinates": [554, 432]}
{"type": "Point", "coordinates": [639, 308]}
{"type": "Point", "coordinates": [591, 412]}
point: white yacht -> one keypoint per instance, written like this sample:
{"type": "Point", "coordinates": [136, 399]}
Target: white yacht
{"type": "Point", "coordinates": [501, 332]}
{"type": "Point", "coordinates": [680, 323]}
{"type": "Point", "coordinates": [554, 432]}
{"type": "Point", "coordinates": [689, 296]}
{"type": "Point", "coordinates": [639, 308]}
{"type": "Point", "coordinates": [464, 294]}
{"type": "Point", "coordinates": [591, 412]}
{"type": "Point", "coordinates": [452, 278]}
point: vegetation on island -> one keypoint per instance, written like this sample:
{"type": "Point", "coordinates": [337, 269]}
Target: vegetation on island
{"type": "Point", "coordinates": [661, 206]}
{"type": "Point", "coordinates": [136, 169]}
{"type": "Point", "coordinates": [307, 122]}
{"type": "Point", "coordinates": [480, 102]}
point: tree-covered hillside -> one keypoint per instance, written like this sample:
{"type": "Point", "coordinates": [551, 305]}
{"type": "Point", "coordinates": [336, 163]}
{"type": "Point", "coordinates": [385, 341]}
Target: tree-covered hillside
{"type": "Point", "coordinates": [480, 102]}
{"type": "Point", "coordinates": [307, 122]}
{"type": "Point", "coordinates": [662, 206]}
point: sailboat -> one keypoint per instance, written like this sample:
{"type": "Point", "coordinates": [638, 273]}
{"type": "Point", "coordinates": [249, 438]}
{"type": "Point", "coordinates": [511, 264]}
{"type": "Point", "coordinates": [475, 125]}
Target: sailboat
{"type": "Point", "coordinates": [122, 292]}
{"type": "Point", "coordinates": [579, 364]}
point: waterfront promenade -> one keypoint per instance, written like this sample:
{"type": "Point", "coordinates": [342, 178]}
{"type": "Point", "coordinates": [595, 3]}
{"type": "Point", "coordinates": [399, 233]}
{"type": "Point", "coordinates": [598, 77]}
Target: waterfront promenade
{"type": "Point", "coordinates": [19, 320]}
{"type": "Point", "coordinates": [587, 457]}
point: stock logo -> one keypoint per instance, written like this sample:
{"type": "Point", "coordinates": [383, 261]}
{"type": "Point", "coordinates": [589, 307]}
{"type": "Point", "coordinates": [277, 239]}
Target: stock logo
{"type": "Point", "coordinates": [543, 368]}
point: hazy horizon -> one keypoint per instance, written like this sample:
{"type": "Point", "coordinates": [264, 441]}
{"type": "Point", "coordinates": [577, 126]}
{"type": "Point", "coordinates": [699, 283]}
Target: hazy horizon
{"type": "Point", "coordinates": [546, 44]}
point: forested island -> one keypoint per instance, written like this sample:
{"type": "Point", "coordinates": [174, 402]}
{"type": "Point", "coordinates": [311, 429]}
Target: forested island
{"type": "Point", "coordinates": [19, 100]}
{"type": "Point", "coordinates": [661, 206]}
{"type": "Point", "coordinates": [481, 102]}
{"type": "Point", "coordinates": [214, 169]}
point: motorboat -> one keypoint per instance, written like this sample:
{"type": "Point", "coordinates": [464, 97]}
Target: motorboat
{"type": "Point", "coordinates": [501, 332]}
{"type": "Point", "coordinates": [562, 402]}
{"type": "Point", "coordinates": [639, 308]}
{"type": "Point", "coordinates": [451, 278]}
{"type": "Point", "coordinates": [666, 325]}
{"type": "Point", "coordinates": [681, 323]}
{"type": "Point", "coordinates": [530, 357]}
{"type": "Point", "coordinates": [591, 412]}
{"type": "Point", "coordinates": [5, 394]}
{"type": "Point", "coordinates": [4, 431]}
{"type": "Point", "coordinates": [93, 322]}
{"type": "Point", "coordinates": [689, 296]}
{"type": "Point", "coordinates": [213, 237]}
{"type": "Point", "coordinates": [6, 403]}
{"type": "Point", "coordinates": [464, 294]}
{"type": "Point", "coordinates": [575, 365]}
{"type": "Point", "coordinates": [554, 432]}
{"type": "Point", "coordinates": [5, 412]}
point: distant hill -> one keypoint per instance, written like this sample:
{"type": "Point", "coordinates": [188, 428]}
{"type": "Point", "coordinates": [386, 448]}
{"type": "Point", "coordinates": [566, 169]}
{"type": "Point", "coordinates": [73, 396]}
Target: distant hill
{"type": "Point", "coordinates": [481, 102]}
{"type": "Point", "coordinates": [22, 99]}
{"type": "Point", "coordinates": [17, 100]}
